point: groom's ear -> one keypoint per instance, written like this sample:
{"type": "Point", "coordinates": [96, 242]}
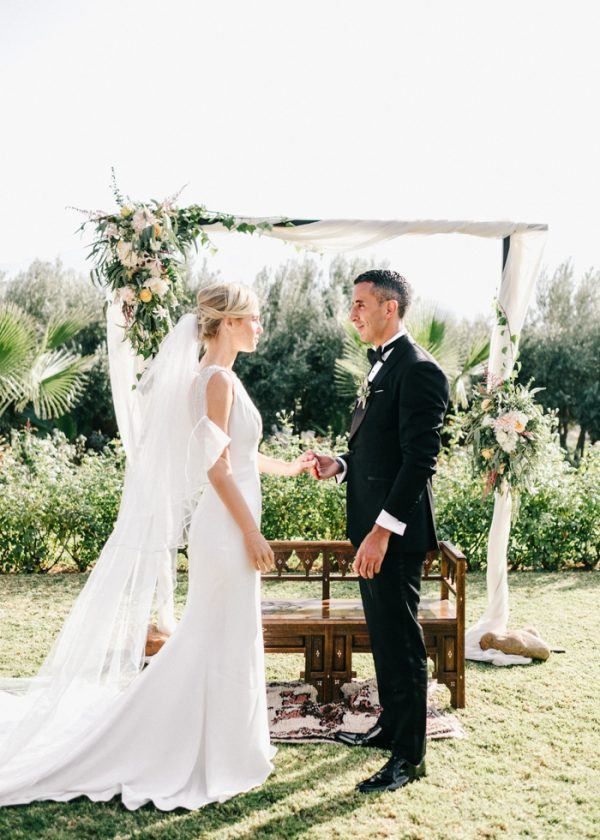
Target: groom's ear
{"type": "Point", "coordinates": [391, 307]}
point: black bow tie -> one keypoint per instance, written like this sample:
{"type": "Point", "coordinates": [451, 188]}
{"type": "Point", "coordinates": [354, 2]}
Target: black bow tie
{"type": "Point", "coordinates": [377, 355]}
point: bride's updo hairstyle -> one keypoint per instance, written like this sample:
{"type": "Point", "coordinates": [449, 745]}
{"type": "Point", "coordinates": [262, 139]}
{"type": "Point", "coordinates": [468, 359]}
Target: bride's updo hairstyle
{"type": "Point", "coordinates": [223, 300]}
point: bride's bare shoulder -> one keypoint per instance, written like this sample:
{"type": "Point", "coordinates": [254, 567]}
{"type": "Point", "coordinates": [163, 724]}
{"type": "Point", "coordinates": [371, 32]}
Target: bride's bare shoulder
{"type": "Point", "coordinates": [219, 386]}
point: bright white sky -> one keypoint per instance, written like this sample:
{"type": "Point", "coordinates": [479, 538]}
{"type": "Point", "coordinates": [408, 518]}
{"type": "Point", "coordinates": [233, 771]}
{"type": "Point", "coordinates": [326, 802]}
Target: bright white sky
{"type": "Point", "coordinates": [463, 110]}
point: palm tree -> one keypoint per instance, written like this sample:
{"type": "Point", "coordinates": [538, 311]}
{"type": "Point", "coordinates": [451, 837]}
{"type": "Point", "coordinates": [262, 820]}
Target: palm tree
{"type": "Point", "coordinates": [41, 372]}
{"type": "Point", "coordinates": [436, 334]}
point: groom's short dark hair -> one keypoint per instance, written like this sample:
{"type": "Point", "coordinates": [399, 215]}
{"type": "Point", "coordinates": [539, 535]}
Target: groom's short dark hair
{"type": "Point", "coordinates": [388, 285]}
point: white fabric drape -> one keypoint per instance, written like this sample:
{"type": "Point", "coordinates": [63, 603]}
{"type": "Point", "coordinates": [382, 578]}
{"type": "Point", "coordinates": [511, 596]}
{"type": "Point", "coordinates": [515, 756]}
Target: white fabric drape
{"type": "Point", "coordinates": [123, 365]}
{"type": "Point", "coordinates": [516, 289]}
{"type": "Point", "coordinates": [338, 235]}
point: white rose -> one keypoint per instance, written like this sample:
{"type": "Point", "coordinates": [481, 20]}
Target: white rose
{"type": "Point", "coordinates": [503, 422]}
{"type": "Point", "coordinates": [142, 219]}
{"type": "Point", "coordinates": [157, 286]}
{"type": "Point", "coordinates": [521, 420]}
{"type": "Point", "coordinates": [507, 440]}
{"type": "Point", "coordinates": [112, 230]}
{"type": "Point", "coordinates": [127, 295]}
{"type": "Point", "coordinates": [512, 421]}
{"type": "Point", "coordinates": [155, 267]}
{"type": "Point", "coordinates": [126, 254]}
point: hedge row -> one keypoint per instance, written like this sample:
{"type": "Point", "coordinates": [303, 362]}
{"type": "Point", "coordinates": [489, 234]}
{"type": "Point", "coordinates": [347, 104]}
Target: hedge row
{"type": "Point", "coordinates": [58, 503]}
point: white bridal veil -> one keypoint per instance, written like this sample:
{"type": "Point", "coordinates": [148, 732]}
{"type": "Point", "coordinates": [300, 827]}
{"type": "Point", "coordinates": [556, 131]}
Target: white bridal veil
{"type": "Point", "coordinates": [101, 645]}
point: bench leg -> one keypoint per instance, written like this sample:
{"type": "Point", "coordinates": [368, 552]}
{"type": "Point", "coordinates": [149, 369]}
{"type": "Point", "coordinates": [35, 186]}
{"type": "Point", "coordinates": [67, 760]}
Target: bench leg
{"type": "Point", "coordinates": [315, 666]}
{"type": "Point", "coordinates": [459, 694]}
{"type": "Point", "coordinates": [341, 666]}
{"type": "Point", "coordinates": [328, 663]}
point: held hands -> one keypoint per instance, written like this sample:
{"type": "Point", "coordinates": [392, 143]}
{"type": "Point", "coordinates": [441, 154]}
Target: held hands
{"type": "Point", "coordinates": [259, 551]}
{"type": "Point", "coordinates": [324, 466]}
{"type": "Point", "coordinates": [303, 463]}
{"type": "Point", "coordinates": [371, 552]}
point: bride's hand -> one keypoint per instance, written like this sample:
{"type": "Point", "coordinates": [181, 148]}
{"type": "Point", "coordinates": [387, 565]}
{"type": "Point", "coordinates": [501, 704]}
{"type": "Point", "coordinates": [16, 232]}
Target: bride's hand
{"type": "Point", "coordinates": [303, 463]}
{"type": "Point", "coordinates": [259, 551]}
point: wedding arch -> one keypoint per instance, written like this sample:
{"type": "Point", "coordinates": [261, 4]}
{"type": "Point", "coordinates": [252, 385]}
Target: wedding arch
{"type": "Point", "coordinates": [141, 277]}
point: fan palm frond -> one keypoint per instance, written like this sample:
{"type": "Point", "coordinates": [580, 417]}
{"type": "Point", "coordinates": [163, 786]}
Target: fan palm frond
{"type": "Point", "coordinates": [433, 332]}
{"type": "Point", "coordinates": [17, 339]}
{"type": "Point", "coordinates": [45, 376]}
{"type": "Point", "coordinates": [17, 343]}
{"type": "Point", "coordinates": [56, 379]}
{"type": "Point", "coordinates": [62, 328]}
{"type": "Point", "coordinates": [471, 364]}
{"type": "Point", "coordinates": [353, 366]}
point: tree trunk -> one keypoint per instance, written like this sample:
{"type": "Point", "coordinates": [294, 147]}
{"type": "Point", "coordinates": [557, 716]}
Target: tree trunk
{"type": "Point", "coordinates": [580, 442]}
{"type": "Point", "coordinates": [563, 431]}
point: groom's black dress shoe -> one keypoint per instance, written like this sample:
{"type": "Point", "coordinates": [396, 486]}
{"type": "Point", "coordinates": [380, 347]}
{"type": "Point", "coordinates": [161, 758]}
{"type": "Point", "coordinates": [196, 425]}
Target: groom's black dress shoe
{"type": "Point", "coordinates": [375, 737]}
{"type": "Point", "coordinates": [395, 773]}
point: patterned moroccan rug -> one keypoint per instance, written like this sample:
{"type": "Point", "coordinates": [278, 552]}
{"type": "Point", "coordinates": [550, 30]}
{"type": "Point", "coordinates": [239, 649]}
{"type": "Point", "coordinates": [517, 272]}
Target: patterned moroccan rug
{"type": "Point", "coordinates": [295, 715]}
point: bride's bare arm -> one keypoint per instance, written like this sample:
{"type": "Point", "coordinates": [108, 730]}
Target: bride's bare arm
{"type": "Point", "coordinates": [275, 466]}
{"type": "Point", "coordinates": [219, 399]}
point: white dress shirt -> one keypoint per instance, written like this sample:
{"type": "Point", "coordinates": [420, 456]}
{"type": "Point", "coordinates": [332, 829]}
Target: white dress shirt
{"type": "Point", "coordinates": [385, 519]}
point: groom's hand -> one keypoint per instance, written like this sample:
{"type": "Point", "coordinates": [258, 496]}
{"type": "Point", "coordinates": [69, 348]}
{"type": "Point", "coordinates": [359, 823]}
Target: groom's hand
{"type": "Point", "coordinates": [325, 467]}
{"type": "Point", "coordinates": [371, 552]}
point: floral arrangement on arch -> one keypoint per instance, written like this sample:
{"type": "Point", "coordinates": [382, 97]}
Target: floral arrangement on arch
{"type": "Point", "coordinates": [139, 254]}
{"type": "Point", "coordinates": [509, 433]}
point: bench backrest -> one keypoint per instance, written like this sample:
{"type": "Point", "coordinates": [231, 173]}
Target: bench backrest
{"type": "Point", "coordinates": [331, 560]}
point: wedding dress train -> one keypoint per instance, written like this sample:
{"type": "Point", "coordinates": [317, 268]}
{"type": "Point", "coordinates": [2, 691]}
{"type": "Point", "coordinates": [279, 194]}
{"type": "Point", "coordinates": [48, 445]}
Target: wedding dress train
{"type": "Point", "coordinates": [192, 727]}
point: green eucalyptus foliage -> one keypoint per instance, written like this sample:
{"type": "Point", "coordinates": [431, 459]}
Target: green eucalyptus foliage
{"type": "Point", "coordinates": [140, 255]}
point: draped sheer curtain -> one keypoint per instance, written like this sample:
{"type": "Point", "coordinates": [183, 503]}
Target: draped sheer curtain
{"type": "Point", "coordinates": [341, 235]}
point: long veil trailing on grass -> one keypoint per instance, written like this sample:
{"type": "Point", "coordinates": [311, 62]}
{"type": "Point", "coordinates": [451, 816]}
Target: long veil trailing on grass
{"type": "Point", "coordinates": [100, 648]}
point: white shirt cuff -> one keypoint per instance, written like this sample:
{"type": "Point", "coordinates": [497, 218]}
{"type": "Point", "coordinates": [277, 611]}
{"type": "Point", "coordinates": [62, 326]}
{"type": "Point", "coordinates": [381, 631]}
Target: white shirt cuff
{"type": "Point", "coordinates": [390, 523]}
{"type": "Point", "coordinates": [339, 477]}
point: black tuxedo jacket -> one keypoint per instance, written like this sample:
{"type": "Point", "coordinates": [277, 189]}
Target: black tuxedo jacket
{"type": "Point", "coordinates": [393, 447]}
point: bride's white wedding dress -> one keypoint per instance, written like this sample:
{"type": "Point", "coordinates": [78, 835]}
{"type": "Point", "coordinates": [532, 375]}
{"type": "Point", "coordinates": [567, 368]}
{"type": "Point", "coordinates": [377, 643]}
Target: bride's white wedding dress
{"type": "Point", "coordinates": [192, 727]}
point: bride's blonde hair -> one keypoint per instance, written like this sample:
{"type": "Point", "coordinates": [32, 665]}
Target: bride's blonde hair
{"type": "Point", "coordinates": [223, 300]}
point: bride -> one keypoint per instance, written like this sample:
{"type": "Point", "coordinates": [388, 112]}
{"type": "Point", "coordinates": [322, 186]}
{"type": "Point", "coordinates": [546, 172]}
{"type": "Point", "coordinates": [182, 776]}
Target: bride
{"type": "Point", "coordinates": [192, 727]}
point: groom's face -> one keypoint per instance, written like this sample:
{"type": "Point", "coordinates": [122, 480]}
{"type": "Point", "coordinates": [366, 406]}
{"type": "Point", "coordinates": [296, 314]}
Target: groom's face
{"type": "Point", "coordinates": [369, 314]}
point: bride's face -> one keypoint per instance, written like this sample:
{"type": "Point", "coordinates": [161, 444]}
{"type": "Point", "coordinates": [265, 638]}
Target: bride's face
{"type": "Point", "coordinates": [247, 332]}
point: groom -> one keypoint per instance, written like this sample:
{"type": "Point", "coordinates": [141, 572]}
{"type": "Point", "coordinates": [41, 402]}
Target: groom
{"type": "Point", "coordinates": [393, 446]}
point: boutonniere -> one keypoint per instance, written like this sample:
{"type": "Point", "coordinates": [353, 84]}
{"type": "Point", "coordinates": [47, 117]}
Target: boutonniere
{"type": "Point", "coordinates": [363, 392]}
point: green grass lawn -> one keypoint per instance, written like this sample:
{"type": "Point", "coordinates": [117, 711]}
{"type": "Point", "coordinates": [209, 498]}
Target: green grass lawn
{"type": "Point", "coordinates": [529, 768]}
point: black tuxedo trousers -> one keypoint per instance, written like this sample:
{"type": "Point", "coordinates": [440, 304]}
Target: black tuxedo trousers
{"type": "Point", "coordinates": [391, 605]}
{"type": "Point", "coordinates": [393, 447]}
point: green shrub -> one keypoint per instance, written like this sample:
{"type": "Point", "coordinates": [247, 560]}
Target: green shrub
{"type": "Point", "coordinates": [557, 526]}
{"type": "Point", "coordinates": [301, 508]}
{"type": "Point", "coordinates": [58, 503]}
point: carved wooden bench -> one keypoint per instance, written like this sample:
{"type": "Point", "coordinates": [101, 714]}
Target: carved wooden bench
{"type": "Point", "coordinates": [328, 631]}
